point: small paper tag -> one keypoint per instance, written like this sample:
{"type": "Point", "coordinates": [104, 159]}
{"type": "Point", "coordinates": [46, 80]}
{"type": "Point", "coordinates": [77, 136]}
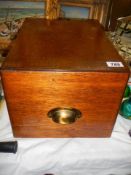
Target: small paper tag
{"type": "Point", "coordinates": [114, 64]}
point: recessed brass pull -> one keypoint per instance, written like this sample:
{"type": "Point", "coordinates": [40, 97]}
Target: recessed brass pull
{"type": "Point", "coordinates": [64, 115]}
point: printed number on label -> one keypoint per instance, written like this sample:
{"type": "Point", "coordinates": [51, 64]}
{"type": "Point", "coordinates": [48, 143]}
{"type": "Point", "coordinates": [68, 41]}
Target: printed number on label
{"type": "Point", "coordinates": [114, 64]}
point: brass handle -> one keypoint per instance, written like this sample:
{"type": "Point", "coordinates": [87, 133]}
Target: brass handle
{"type": "Point", "coordinates": [64, 115]}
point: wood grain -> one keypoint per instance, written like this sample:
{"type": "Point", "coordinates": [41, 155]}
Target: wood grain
{"type": "Point", "coordinates": [62, 63]}
{"type": "Point", "coordinates": [30, 95]}
{"type": "Point", "coordinates": [62, 45]}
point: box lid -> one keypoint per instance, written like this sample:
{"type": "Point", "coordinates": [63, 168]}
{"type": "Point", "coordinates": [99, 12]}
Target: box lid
{"type": "Point", "coordinates": [63, 45]}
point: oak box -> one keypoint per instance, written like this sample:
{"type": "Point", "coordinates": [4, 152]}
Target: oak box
{"type": "Point", "coordinates": [63, 78]}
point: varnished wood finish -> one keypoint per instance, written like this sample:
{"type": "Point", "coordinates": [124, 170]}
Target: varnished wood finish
{"type": "Point", "coordinates": [62, 45]}
{"type": "Point", "coordinates": [62, 64]}
{"type": "Point", "coordinates": [30, 96]}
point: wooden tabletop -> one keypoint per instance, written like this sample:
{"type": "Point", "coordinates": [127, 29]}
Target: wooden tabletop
{"type": "Point", "coordinates": [62, 45]}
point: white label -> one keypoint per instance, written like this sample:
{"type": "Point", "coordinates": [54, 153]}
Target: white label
{"type": "Point", "coordinates": [114, 64]}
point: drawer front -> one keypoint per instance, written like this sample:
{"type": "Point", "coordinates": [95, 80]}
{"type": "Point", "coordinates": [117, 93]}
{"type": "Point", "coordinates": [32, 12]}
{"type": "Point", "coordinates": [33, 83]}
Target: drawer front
{"type": "Point", "coordinates": [31, 95]}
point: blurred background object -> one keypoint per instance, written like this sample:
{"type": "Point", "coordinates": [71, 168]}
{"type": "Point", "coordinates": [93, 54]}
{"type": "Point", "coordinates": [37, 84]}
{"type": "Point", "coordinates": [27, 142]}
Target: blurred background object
{"type": "Point", "coordinates": [117, 9]}
{"type": "Point", "coordinates": [125, 109]}
{"type": "Point", "coordinates": [126, 27]}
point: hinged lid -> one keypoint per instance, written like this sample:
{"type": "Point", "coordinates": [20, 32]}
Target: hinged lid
{"type": "Point", "coordinates": [63, 45]}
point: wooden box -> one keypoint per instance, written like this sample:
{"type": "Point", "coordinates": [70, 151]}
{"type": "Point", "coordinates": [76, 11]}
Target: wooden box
{"type": "Point", "coordinates": [63, 71]}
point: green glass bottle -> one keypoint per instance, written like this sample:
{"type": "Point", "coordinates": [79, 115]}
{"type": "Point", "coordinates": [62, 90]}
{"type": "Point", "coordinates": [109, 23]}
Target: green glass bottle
{"type": "Point", "coordinates": [127, 91]}
{"type": "Point", "coordinates": [125, 109]}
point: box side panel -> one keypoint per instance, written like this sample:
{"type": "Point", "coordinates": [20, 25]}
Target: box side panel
{"type": "Point", "coordinates": [31, 95]}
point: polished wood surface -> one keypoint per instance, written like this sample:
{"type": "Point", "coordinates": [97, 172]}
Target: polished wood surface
{"type": "Point", "coordinates": [62, 64]}
{"type": "Point", "coordinates": [62, 45]}
{"type": "Point", "coordinates": [30, 96]}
